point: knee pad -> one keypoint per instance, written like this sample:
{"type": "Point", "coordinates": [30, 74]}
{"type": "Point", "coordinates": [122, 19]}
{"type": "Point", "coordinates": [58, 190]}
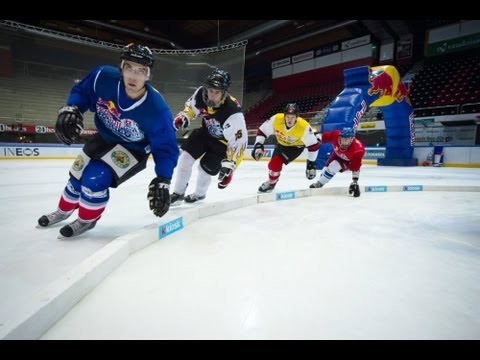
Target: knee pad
{"type": "Point", "coordinates": [97, 176]}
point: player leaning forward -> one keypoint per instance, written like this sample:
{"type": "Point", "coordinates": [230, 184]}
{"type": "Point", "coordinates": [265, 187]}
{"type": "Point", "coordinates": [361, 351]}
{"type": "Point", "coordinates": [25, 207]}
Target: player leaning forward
{"type": "Point", "coordinates": [293, 135]}
{"type": "Point", "coordinates": [347, 154]}
{"type": "Point", "coordinates": [132, 120]}
{"type": "Point", "coordinates": [220, 142]}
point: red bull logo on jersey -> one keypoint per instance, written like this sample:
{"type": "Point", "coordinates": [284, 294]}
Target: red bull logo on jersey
{"type": "Point", "coordinates": [108, 114]}
{"type": "Point", "coordinates": [108, 106]}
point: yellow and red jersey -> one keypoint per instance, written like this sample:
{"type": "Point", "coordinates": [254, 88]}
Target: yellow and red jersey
{"type": "Point", "coordinates": [300, 134]}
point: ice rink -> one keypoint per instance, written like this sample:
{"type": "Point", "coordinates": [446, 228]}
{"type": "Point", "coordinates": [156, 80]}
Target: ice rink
{"type": "Point", "coordinates": [386, 265]}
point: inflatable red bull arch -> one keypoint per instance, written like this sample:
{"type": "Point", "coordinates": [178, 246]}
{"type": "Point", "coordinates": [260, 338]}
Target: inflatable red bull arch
{"type": "Point", "coordinates": [379, 86]}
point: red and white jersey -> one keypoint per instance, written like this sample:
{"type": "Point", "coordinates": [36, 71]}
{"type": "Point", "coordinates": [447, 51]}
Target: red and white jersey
{"type": "Point", "coordinates": [354, 154]}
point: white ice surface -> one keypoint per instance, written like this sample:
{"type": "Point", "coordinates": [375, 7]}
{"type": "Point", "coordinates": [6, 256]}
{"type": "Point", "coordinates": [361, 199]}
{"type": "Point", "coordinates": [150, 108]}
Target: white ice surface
{"type": "Point", "coordinates": [402, 265]}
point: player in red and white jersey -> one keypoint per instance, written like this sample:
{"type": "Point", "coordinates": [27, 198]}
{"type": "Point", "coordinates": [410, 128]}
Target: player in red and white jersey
{"type": "Point", "coordinates": [347, 154]}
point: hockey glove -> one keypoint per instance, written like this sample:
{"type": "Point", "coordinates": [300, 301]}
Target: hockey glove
{"type": "Point", "coordinates": [354, 189]}
{"type": "Point", "coordinates": [226, 173]}
{"type": "Point", "coordinates": [311, 171]}
{"type": "Point", "coordinates": [69, 124]}
{"type": "Point", "coordinates": [159, 195]}
{"type": "Point", "coordinates": [181, 121]}
{"type": "Point", "coordinates": [318, 135]}
{"type": "Point", "coordinates": [257, 152]}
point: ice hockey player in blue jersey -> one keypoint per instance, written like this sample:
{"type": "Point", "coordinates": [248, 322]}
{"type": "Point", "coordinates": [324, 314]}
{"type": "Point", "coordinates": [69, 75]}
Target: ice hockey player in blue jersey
{"type": "Point", "coordinates": [132, 120]}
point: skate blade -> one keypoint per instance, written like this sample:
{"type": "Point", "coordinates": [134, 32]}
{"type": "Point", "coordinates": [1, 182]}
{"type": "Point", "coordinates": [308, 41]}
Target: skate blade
{"type": "Point", "coordinates": [177, 204]}
{"type": "Point", "coordinates": [61, 237]}
{"type": "Point", "coordinates": [265, 192]}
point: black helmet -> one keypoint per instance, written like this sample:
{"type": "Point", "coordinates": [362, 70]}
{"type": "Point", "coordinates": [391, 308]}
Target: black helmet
{"type": "Point", "coordinates": [218, 79]}
{"type": "Point", "coordinates": [137, 53]}
{"type": "Point", "coordinates": [291, 108]}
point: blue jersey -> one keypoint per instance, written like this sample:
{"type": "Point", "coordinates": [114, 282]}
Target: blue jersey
{"type": "Point", "coordinates": [144, 125]}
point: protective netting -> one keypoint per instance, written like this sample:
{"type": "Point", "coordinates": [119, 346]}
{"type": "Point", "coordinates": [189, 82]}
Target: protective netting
{"type": "Point", "coordinates": [176, 76]}
{"type": "Point", "coordinates": [38, 55]}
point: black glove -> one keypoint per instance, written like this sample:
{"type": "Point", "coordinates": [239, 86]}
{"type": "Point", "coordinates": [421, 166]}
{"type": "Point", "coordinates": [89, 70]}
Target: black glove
{"type": "Point", "coordinates": [311, 171]}
{"type": "Point", "coordinates": [354, 189]}
{"type": "Point", "coordinates": [318, 135]}
{"type": "Point", "coordinates": [257, 152]}
{"type": "Point", "coordinates": [181, 121]}
{"type": "Point", "coordinates": [159, 195]}
{"type": "Point", "coordinates": [69, 124]}
{"type": "Point", "coordinates": [226, 173]}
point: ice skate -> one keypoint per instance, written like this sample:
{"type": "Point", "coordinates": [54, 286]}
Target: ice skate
{"type": "Point", "coordinates": [53, 218]}
{"type": "Point", "coordinates": [316, 185]}
{"type": "Point", "coordinates": [176, 199]}
{"type": "Point", "coordinates": [76, 228]}
{"type": "Point", "coordinates": [193, 198]}
{"type": "Point", "coordinates": [266, 187]}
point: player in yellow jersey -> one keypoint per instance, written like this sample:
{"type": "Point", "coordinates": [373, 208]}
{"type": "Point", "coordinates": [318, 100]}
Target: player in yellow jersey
{"type": "Point", "coordinates": [293, 134]}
